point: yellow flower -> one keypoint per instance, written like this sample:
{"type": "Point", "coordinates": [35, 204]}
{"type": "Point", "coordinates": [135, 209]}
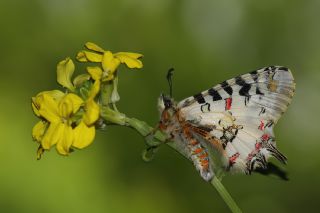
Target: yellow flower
{"type": "Point", "coordinates": [109, 61]}
{"type": "Point", "coordinates": [59, 125]}
{"type": "Point", "coordinates": [65, 70]}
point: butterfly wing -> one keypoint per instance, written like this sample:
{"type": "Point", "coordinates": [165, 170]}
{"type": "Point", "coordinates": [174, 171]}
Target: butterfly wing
{"type": "Point", "coordinates": [241, 112]}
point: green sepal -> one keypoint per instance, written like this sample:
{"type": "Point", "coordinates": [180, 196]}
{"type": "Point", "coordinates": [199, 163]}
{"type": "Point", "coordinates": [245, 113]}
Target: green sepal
{"type": "Point", "coordinates": [80, 79]}
{"type": "Point", "coordinates": [112, 116]}
{"type": "Point", "coordinates": [106, 92]}
{"type": "Point", "coordinates": [84, 90]}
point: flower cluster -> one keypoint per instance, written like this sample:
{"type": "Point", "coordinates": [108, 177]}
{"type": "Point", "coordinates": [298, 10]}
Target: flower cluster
{"type": "Point", "coordinates": [108, 60]}
{"type": "Point", "coordinates": [69, 118]}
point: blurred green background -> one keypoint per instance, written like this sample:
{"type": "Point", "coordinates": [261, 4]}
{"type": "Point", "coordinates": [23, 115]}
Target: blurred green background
{"type": "Point", "coordinates": [207, 42]}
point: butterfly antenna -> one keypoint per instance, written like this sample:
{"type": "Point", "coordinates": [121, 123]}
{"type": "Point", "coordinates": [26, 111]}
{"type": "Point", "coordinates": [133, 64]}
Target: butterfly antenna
{"type": "Point", "coordinates": [169, 78]}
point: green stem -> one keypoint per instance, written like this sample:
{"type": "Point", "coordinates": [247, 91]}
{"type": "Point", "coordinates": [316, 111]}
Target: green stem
{"type": "Point", "coordinates": [215, 182]}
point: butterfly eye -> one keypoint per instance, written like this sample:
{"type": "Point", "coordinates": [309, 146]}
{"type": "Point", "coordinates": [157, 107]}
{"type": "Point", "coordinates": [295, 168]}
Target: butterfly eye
{"type": "Point", "coordinates": [167, 102]}
{"type": "Point", "coordinates": [164, 102]}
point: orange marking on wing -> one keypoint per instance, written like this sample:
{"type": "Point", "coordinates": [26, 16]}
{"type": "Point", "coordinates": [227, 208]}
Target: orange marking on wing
{"type": "Point", "coordinates": [265, 137]}
{"type": "Point", "coordinates": [194, 142]}
{"type": "Point", "coordinates": [204, 155]}
{"type": "Point", "coordinates": [228, 103]}
{"type": "Point", "coordinates": [205, 164]}
{"type": "Point", "coordinates": [261, 126]}
{"type": "Point", "coordinates": [258, 146]}
{"type": "Point", "coordinates": [273, 85]}
{"type": "Point", "coordinates": [198, 150]}
{"type": "Point", "coordinates": [233, 158]}
{"type": "Point", "coordinates": [206, 167]}
{"type": "Point", "coordinates": [200, 131]}
{"type": "Point", "coordinates": [186, 132]}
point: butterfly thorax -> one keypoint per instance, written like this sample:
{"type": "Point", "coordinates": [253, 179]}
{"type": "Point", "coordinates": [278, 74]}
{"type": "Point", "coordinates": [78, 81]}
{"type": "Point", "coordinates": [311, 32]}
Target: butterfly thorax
{"type": "Point", "coordinates": [171, 119]}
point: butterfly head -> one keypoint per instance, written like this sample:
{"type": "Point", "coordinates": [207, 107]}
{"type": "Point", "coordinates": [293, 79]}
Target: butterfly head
{"type": "Point", "coordinates": [167, 109]}
{"type": "Point", "coordinates": [165, 102]}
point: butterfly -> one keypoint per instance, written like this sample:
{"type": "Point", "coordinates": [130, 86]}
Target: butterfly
{"type": "Point", "coordinates": [230, 125]}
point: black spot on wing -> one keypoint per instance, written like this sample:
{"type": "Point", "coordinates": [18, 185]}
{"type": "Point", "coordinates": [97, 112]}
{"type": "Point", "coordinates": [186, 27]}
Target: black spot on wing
{"type": "Point", "coordinates": [244, 91]}
{"type": "Point", "coordinates": [202, 107]}
{"type": "Point", "coordinates": [269, 68]}
{"type": "Point", "coordinates": [215, 94]}
{"type": "Point", "coordinates": [245, 87]}
{"type": "Point", "coordinates": [269, 124]}
{"type": "Point", "coordinates": [254, 72]}
{"type": "Point", "coordinates": [262, 111]}
{"type": "Point", "coordinates": [254, 75]}
{"type": "Point", "coordinates": [226, 87]}
{"type": "Point", "coordinates": [240, 81]}
{"type": "Point", "coordinates": [258, 92]}
{"type": "Point", "coordinates": [283, 68]}
{"type": "Point", "coordinates": [273, 170]}
{"type": "Point", "coordinates": [205, 128]}
{"type": "Point", "coordinates": [199, 98]}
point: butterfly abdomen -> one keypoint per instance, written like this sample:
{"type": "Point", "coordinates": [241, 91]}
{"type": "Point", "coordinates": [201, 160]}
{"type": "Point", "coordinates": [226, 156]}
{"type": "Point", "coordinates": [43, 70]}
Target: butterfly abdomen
{"type": "Point", "coordinates": [197, 152]}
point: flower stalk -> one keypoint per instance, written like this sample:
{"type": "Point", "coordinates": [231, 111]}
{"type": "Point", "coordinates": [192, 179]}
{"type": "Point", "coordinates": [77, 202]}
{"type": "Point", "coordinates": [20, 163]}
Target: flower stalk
{"type": "Point", "coordinates": [216, 183]}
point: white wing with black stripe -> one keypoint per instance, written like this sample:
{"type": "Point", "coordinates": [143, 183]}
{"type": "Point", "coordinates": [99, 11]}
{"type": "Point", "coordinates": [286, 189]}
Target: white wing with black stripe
{"type": "Point", "coordinates": [241, 113]}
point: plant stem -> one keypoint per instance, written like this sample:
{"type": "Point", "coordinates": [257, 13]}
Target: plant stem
{"type": "Point", "coordinates": [215, 182]}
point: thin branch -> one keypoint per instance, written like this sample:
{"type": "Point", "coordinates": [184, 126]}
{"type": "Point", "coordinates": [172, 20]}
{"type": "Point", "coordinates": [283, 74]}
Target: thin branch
{"type": "Point", "coordinates": [215, 182]}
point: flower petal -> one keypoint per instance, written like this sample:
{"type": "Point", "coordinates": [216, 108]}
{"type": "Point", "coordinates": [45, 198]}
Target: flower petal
{"type": "Point", "coordinates": [109, 63]}
{"type": "Point", "coordinates": [92, 112]}
{"type": "Point", "coordinates": [131, 55]}
{"type": "Point", "coordinates": [83, 135]}
{"type": "Point", "coordinates": [52, 135]}
{"type": "Point", "coordinates": [93, 57]}
{"type": "Point", "coordinates": [95, 72]}
{"type": "Point", "coordinates": [69, 104]}
{"type": "Point", "coordinates": [64, 143]}
{"type": "Point", "coordinates": [129, 59]}
{"type": "Point", "coordinates": [55, 94]}
{"type": "Point", "coordinates": [80, 79]}
{"type": "Point", "coordinates": [47, 107]}
{"type": "Point", "coordinates": [108, 77]}
{"type": "Point", "coordinates": [94, 47]}
{"type": "Point", "coordinates": [94, 90]}
{"type": "Point", "coordinates": [65, 71]}
{"type": "Point", "coordinates": [81, 56]}
{"type": "Point", "coordinates": [39, 130]}
{"type": "Point", "coordinates": [34, 107]}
